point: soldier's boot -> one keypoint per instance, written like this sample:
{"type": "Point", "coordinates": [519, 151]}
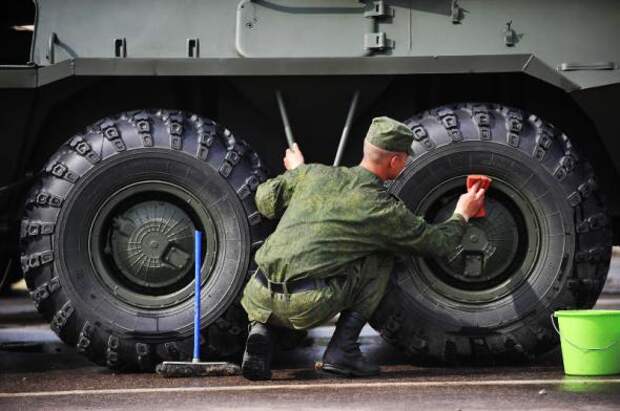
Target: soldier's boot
{"type": "Point", "coordinates": [256, 363]}
{"type": "Point", "coordinates": [343, 355]}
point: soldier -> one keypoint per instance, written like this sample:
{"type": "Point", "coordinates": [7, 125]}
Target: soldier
{"type": "Point", "coordinates": [333, 249]}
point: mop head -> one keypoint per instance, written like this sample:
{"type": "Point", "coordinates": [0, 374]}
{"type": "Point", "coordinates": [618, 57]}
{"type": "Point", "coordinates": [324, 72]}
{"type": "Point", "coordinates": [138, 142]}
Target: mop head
{"type": "Point", "coordinates": [172, 369]}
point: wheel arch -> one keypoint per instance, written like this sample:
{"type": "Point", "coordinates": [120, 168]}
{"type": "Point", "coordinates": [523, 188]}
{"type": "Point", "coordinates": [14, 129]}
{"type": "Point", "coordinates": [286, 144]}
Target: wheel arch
{"type": "Point", "coordinates": [94, 97]}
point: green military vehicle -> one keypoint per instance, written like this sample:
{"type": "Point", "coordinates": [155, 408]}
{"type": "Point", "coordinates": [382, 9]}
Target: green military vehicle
{"type": "Point", "coordinates": [138, 120]}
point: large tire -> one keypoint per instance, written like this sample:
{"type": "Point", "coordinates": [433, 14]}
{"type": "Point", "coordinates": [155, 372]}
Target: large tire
{"type": "Point", "coordinates": [107, 237]}
{"type": "Point", "coordinates": [544, 245]}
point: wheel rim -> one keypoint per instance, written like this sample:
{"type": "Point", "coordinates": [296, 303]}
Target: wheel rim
{"type": "Point", "coordinates": [496, 254]}
{"type": "Point", "coordinates": [141, 243]}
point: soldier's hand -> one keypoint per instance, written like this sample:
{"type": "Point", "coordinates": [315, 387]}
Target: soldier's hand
{"type": "Point", "coordinates": [293, 158]}
{"type": "Point", "coordinates": [470, 202]}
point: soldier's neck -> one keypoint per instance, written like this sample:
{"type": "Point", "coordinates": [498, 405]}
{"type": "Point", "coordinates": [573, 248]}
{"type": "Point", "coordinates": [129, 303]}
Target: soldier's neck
{"type": "Point", "coordinates": [377, 170]}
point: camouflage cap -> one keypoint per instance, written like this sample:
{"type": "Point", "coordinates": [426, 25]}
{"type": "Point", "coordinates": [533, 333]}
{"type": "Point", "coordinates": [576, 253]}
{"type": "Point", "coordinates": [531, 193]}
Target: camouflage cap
{"type": "Point", "coordinates": [389, 134]}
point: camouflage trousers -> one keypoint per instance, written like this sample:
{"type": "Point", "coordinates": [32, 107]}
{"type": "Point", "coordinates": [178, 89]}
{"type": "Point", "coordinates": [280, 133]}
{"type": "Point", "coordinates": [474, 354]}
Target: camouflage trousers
{"type": "Point", "coordinates": [360, 289]}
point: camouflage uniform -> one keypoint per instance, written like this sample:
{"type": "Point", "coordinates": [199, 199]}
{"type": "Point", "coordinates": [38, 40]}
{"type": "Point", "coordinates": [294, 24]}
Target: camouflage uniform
{"type": "Point", "coordinates": [339, 224]}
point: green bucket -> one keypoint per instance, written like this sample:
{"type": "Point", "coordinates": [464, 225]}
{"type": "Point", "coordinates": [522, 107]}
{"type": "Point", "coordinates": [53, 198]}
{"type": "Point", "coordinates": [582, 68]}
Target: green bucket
{"type": "Point", "coordinates": [590, 341]}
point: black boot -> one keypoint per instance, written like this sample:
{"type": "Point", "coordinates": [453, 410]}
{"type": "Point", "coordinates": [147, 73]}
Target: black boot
{"type": "Point", "coordinates": [343, 355]}
{"type": "Point", "coordinates": [256, 363]}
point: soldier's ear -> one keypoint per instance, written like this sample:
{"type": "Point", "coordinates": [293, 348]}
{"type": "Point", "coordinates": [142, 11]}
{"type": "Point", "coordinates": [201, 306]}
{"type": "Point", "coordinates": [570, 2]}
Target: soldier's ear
{"type": "Point", "coordinates": [395, 164]}
{"type": "Point", "coordinates": [397, 161]}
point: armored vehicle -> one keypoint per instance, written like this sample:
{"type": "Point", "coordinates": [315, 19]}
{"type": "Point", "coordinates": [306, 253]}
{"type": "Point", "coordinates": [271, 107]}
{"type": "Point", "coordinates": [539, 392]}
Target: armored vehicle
{"type": "Point", "coordinates": [137, 121]}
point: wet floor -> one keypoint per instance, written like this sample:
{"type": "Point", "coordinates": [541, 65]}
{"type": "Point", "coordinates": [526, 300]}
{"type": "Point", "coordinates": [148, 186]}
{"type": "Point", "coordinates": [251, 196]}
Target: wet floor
{"type": "Point", "coordinates": [45, 374]}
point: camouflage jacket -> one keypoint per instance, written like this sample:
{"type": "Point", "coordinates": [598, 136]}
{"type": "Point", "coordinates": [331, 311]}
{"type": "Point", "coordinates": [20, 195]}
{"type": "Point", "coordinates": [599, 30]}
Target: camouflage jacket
{"type": "Point", "coordinates": [332, 216]}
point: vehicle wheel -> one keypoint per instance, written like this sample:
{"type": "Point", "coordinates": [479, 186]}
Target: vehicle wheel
{"type": "Point", "coordinates": [544, 245]}
{"type": "Point", "coordinates": [107, 237]}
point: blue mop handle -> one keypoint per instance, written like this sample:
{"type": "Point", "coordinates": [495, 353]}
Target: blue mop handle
{"type": "Point", "coordinates": [197, 267]}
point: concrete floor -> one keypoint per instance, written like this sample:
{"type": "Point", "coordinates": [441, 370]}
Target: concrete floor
{"type": "Point", "coordinates": [46, 374]}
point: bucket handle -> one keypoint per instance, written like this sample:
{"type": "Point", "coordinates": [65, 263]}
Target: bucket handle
{"type": "Point", "coordinates": [585, 349]}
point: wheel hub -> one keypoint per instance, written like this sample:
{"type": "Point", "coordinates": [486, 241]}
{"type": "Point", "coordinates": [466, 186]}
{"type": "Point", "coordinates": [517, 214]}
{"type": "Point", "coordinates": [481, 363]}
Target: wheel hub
{"type": "Point", "coordinates": [487, 248]}
{"type": "Point", "coordinates": [492, 258]}
{"type": "Point", "coordinates": [141, 243]}
{"type": "Point", "coordinates": [151, 244]}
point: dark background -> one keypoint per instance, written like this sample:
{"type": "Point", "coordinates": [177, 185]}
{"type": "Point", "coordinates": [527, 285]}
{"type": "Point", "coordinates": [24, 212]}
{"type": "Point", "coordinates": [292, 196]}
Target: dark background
{"type": "Point", "coordinates": [15, 45]}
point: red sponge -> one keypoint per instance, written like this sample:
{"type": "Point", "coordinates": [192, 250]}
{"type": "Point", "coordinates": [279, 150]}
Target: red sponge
{"type": "Point", "coordinates": [485, 182]}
